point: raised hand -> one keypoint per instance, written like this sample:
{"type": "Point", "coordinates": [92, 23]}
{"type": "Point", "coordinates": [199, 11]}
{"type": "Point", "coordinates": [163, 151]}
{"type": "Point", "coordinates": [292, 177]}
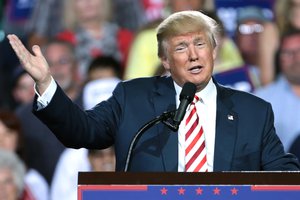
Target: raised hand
{"type": "Point", "coordinates": [36, 65]}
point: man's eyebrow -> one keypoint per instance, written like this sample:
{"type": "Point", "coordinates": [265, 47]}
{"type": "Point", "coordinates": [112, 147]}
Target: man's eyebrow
{"type": "Point", "coordinates": [199, 38]}
{"type": "Point", "coordinates": [181, 43]}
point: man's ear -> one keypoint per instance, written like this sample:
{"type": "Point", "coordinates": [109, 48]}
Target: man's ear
{"type": "Point", "coordinates": [165, 63]}
{"type": "Point", "coordinates": [215, 51]}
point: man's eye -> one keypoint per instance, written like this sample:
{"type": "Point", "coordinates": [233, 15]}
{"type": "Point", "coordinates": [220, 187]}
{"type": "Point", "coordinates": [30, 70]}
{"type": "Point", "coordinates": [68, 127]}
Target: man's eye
{"type": "Point", "coordinates": [179, 48]}
{"type": "Point", "coordinates": [199, 44]}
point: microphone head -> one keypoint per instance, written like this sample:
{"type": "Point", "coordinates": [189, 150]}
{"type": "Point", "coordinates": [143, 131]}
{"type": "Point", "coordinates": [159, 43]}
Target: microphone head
{"type": "Point", "coordinates": [188, 91]}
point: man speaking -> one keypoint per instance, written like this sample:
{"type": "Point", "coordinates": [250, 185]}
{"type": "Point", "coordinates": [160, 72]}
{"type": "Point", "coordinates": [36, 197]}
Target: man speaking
{"type": "Point", "coordinates": [222, 129]}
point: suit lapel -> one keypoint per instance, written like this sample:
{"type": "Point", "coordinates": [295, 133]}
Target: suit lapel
{"type": "Point", "coordinates": [164, 100]}
{"type": "Point", "coordinates": [226, 126]}
{"type": "Point", "coordinates": [226, 131]}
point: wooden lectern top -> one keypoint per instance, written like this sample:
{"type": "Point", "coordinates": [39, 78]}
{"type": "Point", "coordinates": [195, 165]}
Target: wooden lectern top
{"type": "Point", "coordinates": [207, 178]}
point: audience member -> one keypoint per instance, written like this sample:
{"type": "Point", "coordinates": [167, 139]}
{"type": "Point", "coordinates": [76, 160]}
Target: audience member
{"type": "Point", "coordinates": [63, 65]}
{"type": "Point", "coordinates": [286, 18]}
{"type": "Point", "coordinates": [88, 27]}
{"type": "Point", "coordinates": [284, 93]}
{"type": "Point", "coordinates": [102, 160]}
{"type": "Point", "coordinates": [228, 65]}
{"type": "Point", "coordinates": [104, 67]}
{"type": "Point", "coordinates": [71, 162]}
{"type": "Point", "coordinates": [44, 148]}
{"type": "Point", "coordinates": [103, 74]}
{"type": "Point", "coordinates": [12, 174]}
{"type": "Point", "coordinates": [36, 186]}
{"type": "Point", "coordinates": [250, 24]}
{"type": "Point", "coordinates": [22, 88]}
{"type": "Point", "coordinates": [10, 132]}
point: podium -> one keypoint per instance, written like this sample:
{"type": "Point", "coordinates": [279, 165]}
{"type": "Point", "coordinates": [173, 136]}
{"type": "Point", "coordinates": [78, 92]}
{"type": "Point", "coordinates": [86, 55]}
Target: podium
{"type": "Point", "coordinates": [176, 185]}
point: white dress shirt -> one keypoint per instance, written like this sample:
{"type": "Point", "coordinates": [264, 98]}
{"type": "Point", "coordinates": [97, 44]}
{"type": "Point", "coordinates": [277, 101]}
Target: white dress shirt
{"type": "Point", "coordinates": [206, 110]}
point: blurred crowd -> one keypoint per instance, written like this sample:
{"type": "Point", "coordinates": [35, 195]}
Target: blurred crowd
{"type": "Point", "coordinates": [91, 45]}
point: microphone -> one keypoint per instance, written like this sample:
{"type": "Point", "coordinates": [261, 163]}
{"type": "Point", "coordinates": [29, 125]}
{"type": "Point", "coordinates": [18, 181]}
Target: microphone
{"type": "Point", "coordinates": [186, 97]}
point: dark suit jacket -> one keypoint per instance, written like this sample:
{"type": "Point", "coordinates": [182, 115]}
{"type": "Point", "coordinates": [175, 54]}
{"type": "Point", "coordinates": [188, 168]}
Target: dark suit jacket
{"type": "Point", "coordinates": [246, 143]}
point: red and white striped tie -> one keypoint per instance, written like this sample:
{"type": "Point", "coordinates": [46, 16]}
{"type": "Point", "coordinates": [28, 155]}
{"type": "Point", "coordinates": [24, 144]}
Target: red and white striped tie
{"type": "Point", "coordinates": [195, 151]}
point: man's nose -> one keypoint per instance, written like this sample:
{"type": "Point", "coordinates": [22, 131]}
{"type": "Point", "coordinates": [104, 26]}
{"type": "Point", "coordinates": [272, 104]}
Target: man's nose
{"type": "Point", "coordinates": [193, 56]}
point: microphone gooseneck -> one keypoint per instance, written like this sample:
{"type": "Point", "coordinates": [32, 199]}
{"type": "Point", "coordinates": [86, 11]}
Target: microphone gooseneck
{"type": "Point", "coordinates": [171, 119]}
{"type": "Point", "coordinates": [162, 118]}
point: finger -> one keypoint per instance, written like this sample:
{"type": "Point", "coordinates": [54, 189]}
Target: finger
{"type": "Point", "coordinates": [21, 46]}
{"type": "Point", "coordinates": [20, 50]}
{"type": "Point", "coordinates": [13, 43]}
{"type": "Point", "coordinates": [37, 51]}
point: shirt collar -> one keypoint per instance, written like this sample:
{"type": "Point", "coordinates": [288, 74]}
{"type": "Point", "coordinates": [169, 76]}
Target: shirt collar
{"type": "Point", "coordinates": [206, 95]}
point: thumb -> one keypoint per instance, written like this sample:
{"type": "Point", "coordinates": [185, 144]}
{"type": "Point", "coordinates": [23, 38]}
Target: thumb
{"type": "Point", "coordinates": [37, 50]}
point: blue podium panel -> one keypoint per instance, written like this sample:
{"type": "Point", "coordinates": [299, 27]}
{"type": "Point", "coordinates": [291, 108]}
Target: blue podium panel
{"type": "Point", "coordinates": [189, 192]}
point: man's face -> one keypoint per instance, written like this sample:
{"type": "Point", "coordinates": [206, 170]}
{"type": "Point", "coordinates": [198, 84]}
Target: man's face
{"type": "Point", "coordinates": [61, 64]}
{"type": "Point", "coordinates": [189, 58]}
{"type": "Point", "coordinates": [247, 40]}
{"type": "Point", "coordinates": [23, 92]}
{"type": "Point", "coordinates": [290, 58]}
{"type": "Point", "coordinates": [88, 9]}
{"type": "Point", "coordinates": [103, 160]}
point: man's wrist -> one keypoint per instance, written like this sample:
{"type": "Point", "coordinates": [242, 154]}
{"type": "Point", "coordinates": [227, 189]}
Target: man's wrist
{"type": "Point", "coordinates": [41, 87]}
{"type": "Point", "coordinates": [45, 98]}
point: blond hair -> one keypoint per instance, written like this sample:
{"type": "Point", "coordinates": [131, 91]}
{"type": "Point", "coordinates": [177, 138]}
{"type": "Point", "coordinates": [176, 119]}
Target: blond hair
{"type": "Point", "coordinates": [185, 22]}
{"type": "Point", "coordinates": [71, 20]}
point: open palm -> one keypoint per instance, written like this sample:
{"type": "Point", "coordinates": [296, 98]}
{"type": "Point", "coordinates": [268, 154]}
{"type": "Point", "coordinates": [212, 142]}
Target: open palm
{"type": "Point", "coordinates": [36, 65]}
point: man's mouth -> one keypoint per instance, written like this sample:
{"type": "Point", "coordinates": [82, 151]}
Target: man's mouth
{"type": "Point", "coordinates": [196, 69]}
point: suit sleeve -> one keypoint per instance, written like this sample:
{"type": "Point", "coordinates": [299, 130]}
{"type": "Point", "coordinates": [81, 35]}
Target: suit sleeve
{"type": "Point", "coordinates": [76, 128]}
